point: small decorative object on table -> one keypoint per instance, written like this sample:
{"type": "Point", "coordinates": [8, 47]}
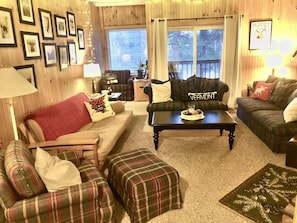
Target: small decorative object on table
{"type": "Point", "coordinates": [192, 113]}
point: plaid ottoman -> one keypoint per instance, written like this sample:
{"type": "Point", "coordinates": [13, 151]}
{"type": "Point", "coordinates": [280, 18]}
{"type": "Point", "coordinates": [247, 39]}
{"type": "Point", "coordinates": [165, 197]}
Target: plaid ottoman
{"type": "Point", "coordinates": [146, 185]}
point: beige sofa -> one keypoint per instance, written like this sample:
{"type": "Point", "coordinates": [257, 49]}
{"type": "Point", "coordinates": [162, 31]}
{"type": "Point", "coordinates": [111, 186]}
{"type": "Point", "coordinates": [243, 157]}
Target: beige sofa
{"type": "Point", "coordinates": [67, 125]}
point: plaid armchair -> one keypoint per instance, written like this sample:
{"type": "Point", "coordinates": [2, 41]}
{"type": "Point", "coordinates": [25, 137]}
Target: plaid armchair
{"type": "Point", "coordinates": [24, 198]}
{"type": "Point", "coordinates": [118, 81]}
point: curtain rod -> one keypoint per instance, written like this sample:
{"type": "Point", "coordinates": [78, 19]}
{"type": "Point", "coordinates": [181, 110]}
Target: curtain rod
{"type": "Point", "coordinates": [221, 17]}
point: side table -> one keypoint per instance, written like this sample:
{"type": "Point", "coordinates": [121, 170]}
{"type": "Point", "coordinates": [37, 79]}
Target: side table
{"type": "Point", "coordinates": [139, 84]}
{"type": "Point", "coordinates": [291, 152]}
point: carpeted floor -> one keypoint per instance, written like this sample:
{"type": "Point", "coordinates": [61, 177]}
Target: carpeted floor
{"type": "Point", "coordinates": [207, 168]}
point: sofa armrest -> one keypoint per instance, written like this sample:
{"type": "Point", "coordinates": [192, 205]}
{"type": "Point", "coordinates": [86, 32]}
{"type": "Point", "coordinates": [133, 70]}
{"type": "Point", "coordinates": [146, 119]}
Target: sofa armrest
{"type": "Point", "coordinates": [130, 82]}
{"type": "Point", "coordinates": [148, 90]}
{"type": "Point", "coordinates": [82, 195]}
{"type": "Point", "coordinates": [222, 89]}
{"type": "Point", "coordinates": [78, 145]}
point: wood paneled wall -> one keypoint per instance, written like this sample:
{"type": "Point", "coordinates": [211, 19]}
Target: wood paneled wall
{"type": "Point", "coordinates": [55, 85]}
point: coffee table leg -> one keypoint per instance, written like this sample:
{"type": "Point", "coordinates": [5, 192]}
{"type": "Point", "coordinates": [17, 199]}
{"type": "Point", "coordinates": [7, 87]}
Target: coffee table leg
{"type": "Point", "coordinates": [221, 132]}
{"type": "Point", "coordinates": [231, 139]}
{"type": "Point", "coordinates": [156, 138]}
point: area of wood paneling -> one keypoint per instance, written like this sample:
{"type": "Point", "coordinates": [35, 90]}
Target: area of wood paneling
{"type": "Point", "coordinates": [53, 84]}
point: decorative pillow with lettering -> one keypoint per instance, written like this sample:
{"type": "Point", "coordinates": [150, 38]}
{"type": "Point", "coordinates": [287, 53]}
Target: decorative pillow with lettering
{"type": "Point", "coordinates": [203, 96]}
{"type": "Point", "coordinates": [99, 108]}
{"type": "Point", "coordinates": [263, 90]}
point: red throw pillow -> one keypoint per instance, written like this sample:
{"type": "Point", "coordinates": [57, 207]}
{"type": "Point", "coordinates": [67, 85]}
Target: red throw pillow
{"type": "Point", "coordinates": [263, 91]}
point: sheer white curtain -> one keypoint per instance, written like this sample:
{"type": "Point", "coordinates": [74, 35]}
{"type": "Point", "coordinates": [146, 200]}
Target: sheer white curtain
{"type": "Point", "coordinates": [230, 61]}
{"type": "Point", "coordinates": [159, 57]}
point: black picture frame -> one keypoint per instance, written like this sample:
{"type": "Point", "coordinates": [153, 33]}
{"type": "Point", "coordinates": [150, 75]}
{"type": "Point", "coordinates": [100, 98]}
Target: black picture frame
{"type": "Point", "coordinates": [46, 24]}
{"type": "Point", "coordinates": [71, 24]}
{"type": "Point", "coordinates": [72, 53]}
{"type": "Point", "coordinates": [260, 34]}
{"type": "Point", "coordinates": [61, 29]}
{"type": "Point", "coordinates": [81, 39]}
{"type": "Point", "coordinates": [50, 54]}
{"type": "Point", "coordinates": [7, 37]}
{"type": "Point", "coordinates": [31, 45]}
{"type": "Point", "coordinates": [26, 12]}
{"type": "Point", "coordinates": [63, 56]}
{"type": "Point", "coordinates": [28, 72]}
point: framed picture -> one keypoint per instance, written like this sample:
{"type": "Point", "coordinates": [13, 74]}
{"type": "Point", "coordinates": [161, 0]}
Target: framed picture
{"type": "Point", "coordinates": [72, 53]}
{"type": "Point", "coordinates": [31, 45]}
{"type": "Point", "coordinates": [81, 39]}
{"type": "Point", "coordinates": [60, 26]}
{"type": "Point", "coordinates": [28, 72]}
{"type": "Point", "coordinates": [46, 24]}
{"type": "Point", "coordinates": [50, 54]}
{"type": "Point", "coordinates": [71, 24]}
{"type": "Point", "coordinates": [7, 34]}
{"type": "Point", "coordinates": [26, 13]}
{"type": "Point", "coordinates": [63, 56]}
{"type": "Point", "coordinates": [260, 34]}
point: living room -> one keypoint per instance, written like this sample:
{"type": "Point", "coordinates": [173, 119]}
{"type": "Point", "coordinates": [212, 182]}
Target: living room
{"type": "Point", "coordinates": [55, 84]}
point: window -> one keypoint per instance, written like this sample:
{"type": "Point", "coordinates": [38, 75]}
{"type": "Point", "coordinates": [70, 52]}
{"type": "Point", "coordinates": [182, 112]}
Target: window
{"type": "Point", "coordinates": [198, 54]}
{"type": "Point", "coordinates": [127, 49]}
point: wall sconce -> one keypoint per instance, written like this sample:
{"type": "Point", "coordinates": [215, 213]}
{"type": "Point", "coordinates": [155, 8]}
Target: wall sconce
{"type": "Point", "coordinates": [92, 71]}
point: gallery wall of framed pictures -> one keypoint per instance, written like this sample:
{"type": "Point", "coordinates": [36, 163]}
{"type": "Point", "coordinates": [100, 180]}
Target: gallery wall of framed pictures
{"type": "Point", "coordinates": [59, 34]}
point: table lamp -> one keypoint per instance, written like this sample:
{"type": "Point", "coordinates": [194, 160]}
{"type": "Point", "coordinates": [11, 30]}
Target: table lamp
{"type": "Point", "coordinates": [13, 84]}
{"type": "Point", "coordinates": [92, 71]}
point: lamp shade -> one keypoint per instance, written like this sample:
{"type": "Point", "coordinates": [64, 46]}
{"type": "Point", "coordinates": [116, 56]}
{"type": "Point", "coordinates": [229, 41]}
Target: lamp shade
{"type": "Point", "coordinates": [13, 84]}
{"type": "Point", "coordinates": [92, 70]}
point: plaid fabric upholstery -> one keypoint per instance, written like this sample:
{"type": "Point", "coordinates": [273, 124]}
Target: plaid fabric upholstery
{"type": "Point", "coordinates": [7, 194]}
{"type": "Point", "coordinates": [70, 156]}
{"type": "Point", "coordinates": [282, 91]}
{"type": "Point", "coordinates": [19, 166]}
{"type": "Point", "coordinates": [179, 94]}
{"type": "Point", "coordinates": [124, 85]}
{"type": "Point", "coordinates": [267, 122]}
{"type": "Point", "coordinates": [146, 185]}
{"type": "Point", "coordinates": [74, 204]}
{"type": "Point", "coordinates": [91, 201]}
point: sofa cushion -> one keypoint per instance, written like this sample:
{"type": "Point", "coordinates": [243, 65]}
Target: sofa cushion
{"type": "Point", "coordinates": [290, 112]}
{"type": "Point", "coordinates": [181, 88]}
{"type": "Point", "coordinates": [263, 90]}
{"type": "Point", "coordinates": [59, 119]}
{"type": "Point", "coordinates": [161, 91]}
{"type": "Point", "coordinates": [282, 91]}
{"type": "Point", "coordinates": [250, 104]}
{"type": "Point", "coordinates": [117, 106]}
{"type": "Point", "coordinates": [206, 84]}
{"type": "Point", "coordinates": [19, 166]}
{"type": "Point", "coordinates": [56, 173]}
{"type": "Point", "coordinates": [272, 122]}
{"type": "Point", "coordinates": [166, 106]}
{"type": "Point", "coordinates": [7, 193]}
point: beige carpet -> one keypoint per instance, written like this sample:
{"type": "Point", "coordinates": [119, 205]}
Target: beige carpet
{"type": "Point", "coordinates": [207, 168]}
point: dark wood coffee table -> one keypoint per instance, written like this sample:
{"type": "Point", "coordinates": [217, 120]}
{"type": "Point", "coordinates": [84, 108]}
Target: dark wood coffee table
{"type": "Point", "coordinates": [215, 119]}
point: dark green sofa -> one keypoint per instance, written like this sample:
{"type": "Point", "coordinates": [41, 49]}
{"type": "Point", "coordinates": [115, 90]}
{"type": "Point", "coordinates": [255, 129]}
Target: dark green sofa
{"type": "Point", "coordinates": [266, 118]}
{"type": "Point", "coordinates": [179, 93]}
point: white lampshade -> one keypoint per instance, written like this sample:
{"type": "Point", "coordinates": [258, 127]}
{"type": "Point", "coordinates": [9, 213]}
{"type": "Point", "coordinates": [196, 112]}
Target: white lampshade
{"type": "Point", "coordinates": [13, 84]}
{"type": "Point", "coordinates": [92, 70]}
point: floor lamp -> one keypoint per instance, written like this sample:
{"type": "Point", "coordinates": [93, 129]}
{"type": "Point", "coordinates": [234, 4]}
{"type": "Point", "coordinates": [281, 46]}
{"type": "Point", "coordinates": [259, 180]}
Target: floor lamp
{"type": "Point", "coordinates": [13, 84]}
{"type": "Point", "coordinates": [92, 71]}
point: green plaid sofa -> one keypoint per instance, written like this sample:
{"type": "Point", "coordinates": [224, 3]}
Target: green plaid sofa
{"type": "Point", "coordinates": [180, 98]}
{"type": "Point", "coordinates": [144, 184]}
{"type": "Point", "coordinates": [24, 198]}
{"type": "Point", "coordinates": [265, 118]}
